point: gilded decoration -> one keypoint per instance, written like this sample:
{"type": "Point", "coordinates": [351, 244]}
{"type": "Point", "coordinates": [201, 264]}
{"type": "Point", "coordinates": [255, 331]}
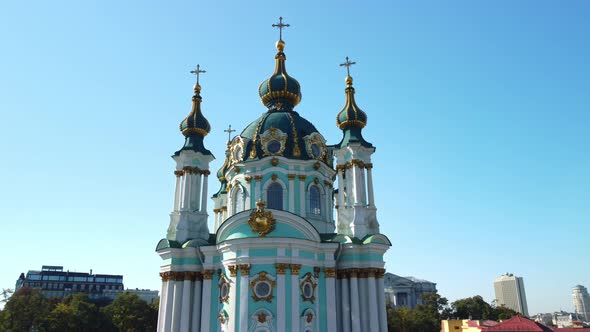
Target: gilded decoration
{"type": "Point", "coordinates": [307, 286]}
{"type": "Point", "coordinates": [330, 272]}
{"type": "Point", "coordinates": [274, 161]}
{"type": "Point", "coordinates": [315, 145]}
{"type": "Point", "coordinates": [208, 274]}
{"type": "Point", "coordinates": [222, 316]}
{"type": "Point", "coordinates": [262, 287]}
{"type": "Point", "coordinates": [248, 178]}
{"type": "Point", "coordinates": [178, 173]}
{"type": "Point", "coordinates": [261, 222]}
{"type": "Point", "coordinates": [281, 267]}
{"type": "Point", "coordinates": [224, 286]}
{"type": "Point", "coordinates": [295, 268]}
{"type": "Point", "coordinates": [273, 142]}
{"type": "Point", "coordinates": [232, 270]}
{"type": "Point", "coordinates": [237, 150]}
{"type": "Point", "coordinates": [244, 269]}
{"type": "Point", "coordinates": [316, 272]}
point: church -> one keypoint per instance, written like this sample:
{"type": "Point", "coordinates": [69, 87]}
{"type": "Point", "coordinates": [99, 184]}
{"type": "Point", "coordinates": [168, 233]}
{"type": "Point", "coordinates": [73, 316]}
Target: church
{"type": "Point", "coordinates": [295, 244]}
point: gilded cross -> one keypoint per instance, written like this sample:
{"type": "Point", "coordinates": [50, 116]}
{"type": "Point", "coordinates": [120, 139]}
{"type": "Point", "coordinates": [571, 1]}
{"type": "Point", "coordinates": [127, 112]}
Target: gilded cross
{"type": "Point", "coordinates": [347, 64]}
{"type": "Point", "coordinates": [197, 72]}
{"type": "Point", "coordinates": [229, 131]}
{"type": "Point", "coordinates": [280, 25]}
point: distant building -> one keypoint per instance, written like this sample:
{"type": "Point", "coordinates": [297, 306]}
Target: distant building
{"type": "Point", "coordinates": [406, 291]}
{"type": "Point", "coordinates": [581, 302]}
{"type": "Point", "coordinates": [564, 319]}
{"type": "Point", "coordinates": [466, 325]}
{"type": "Point", "coordinates": [147, 295]}
{"type": "Point", "coordinates": [510, 293]}
{"type": "Point", "coordinates": [55, 282]}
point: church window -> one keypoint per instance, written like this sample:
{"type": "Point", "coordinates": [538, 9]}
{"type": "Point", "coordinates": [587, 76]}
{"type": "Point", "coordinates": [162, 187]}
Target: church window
{"type": "Point", "coordinates": [274, 196]}
{"type": "Point", "coordinates": [237, 200]}
{"type": "Point", "coordinates": [273, 146]}
{"type": "Point", "coordinates": [315, 205]}
{"type": "Point", "coordinates": [316, 150]}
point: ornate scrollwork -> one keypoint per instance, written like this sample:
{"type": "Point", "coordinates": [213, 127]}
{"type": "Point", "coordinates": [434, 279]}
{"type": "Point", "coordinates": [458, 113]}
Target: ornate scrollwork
{"type": "Point", "coordinates": [262, 287]}
{"type": "Point", "coordinates": [307, 285]}
{"type": "Point", "coordinates": [273, 142]}
{"type": "Point", "coordinates": [261, 222]}
{"type": "Point", "coordinates": [315, 145]}
{"type": "Point", "coordinates": [224, 286]}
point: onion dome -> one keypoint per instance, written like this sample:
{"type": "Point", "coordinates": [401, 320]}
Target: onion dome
{"type": "Point", "coordinates": [351, 118]}
{"type": "Point", "coordinates": [280, 90]}
{"type": "Point", "coordinates": [195, 126]}
{"type": "Point", "coordinates": [351, 114]}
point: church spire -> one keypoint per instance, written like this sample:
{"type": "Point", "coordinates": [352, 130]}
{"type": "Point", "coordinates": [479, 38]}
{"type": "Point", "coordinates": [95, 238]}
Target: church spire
{"type": "Point", "coordinates": [195, 126]}
{"type": "Point", "coordinates": [351, 119]}
{"type": "Point", "coordinates": [280, 92]}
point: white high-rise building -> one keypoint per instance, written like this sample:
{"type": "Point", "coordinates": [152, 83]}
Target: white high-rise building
{"type": "Point", "coordinates": [510, 293]}
{"type": "Point", "coordinates": [581, 302]}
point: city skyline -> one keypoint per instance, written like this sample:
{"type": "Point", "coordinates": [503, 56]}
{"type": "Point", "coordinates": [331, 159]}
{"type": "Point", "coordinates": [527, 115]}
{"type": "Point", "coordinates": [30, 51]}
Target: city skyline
{"type": "Point", "coordinates": [483, 107]}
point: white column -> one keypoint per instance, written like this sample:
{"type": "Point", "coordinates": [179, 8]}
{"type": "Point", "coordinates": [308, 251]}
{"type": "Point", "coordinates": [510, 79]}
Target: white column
{"type": "Point", "coordinates": [326, 209]}
{"type": "Point", "coordinates": [349, 187]}
{"type": "Point", "coordinates": [345, 304]}
{"type": "Point", "coordinates": [330, 277]}
{"type": "Point", "coordinates": [381, 303]}
{"type": "Point", "coordinates": [177, 305]}
{"type": "Point", "coordinates": [364, 300]}
{"type": "Point", "coordinates": [371, 202]}
{"type": "Point", "coordinates": [355, 314]}
{"type": "Point", "coordinates": [259, 193]}
{"type": "Point", "coordinates": [162, 308]}
{"type": "Point", "coordinates": [167, 315]}
{"type": "Point", "coordinates": [197, 191]}
{"type": "Point", "coordinates": [196, 315]}
{"type": "Point", "coordinates": [295, 316]}
{"type": "Point", "coordinates": [216, 218]}
{"type": "Point", "coordinates": [291, 196]}
{"type": "Point", "coordinates": [362, 186]}
{"type": "Point", "coordinates": [224, 213]}
{"type": "Point", "coordinates": [177, 191]}
{"type": "Point", "coordinates": [206, 303]}
{"type": "Point", "coordinates": [185, 313]}
{"type": "Point", "coordinates": [244, 286]}
{"type": "Point", "coordinates": [232, 302]}
{"type": "Point", "coordinates": [341, 185]}
{"type": "Point", "coordinates": [204, 197]}
{"type": "Point", "coordinates": [355, 184]}
{"type": "Point", "coordinates": [302, 190]}
{"type": "Point", "coordinates": [281, 298]}
{"type": "Point", "coordinates": [373, 299]}
{"type": "Point", "coordinates": [186, 189]}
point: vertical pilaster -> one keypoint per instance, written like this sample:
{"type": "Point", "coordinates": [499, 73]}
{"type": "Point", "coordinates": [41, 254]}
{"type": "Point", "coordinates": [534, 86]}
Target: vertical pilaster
{"type": "Point", "coordinates": [302, 191]}
{"type": "Point", "coordinates": [362, 184]}
{"type": "Point", "coordinates": [206, 304]}
{"type": "Point", "coordinates": [373, 298]}
{"type": "Point", "coordinates": [330, 278]}
{"type": "Point", "coordinates": [355, 313]}
{"type": "Point", "coordinates": [363, 299]}
{"type": "Point", "coordinates": [381, 299]}
{"type": "Point", "coordinates": [163, 311]}
{"type": "Point", "coordinates": [244, 286]}
{"type": "Point", "coordinates": [341, 185]}
{"type": "Point", "coordinates": [295, 297]}
{"type": "Point", "coordinates": [259, 193]}
{"type": "Point", "coordinates": [355, 183]}
{"type": "Point", "coordinates": [349, 186]}
{"type": "Point", "coordinates": [233, 300]}
{"type": "Point", "coordinates": [291, 178]}
{"type": "Point", "coordinates": [186, 188]}
{"type": "Point", "coordinates": [196, 315]}
{"type": "Point", "coordinates": [185, 313]}
{"type": "Point", "coordinates": [204, 197]}
{"type": "Point", "coordinates": [281, 296]}
{"type": "Point", "coordinates": [177, 302]}
{"type": "Point", "coordinates": [248, 193]}
{"type": "Point", "coordinates": [177, 191]}
{"type": "Point", "coordinates": [369, 168]}
{"type": "Point", "coordinates": [197, 191]}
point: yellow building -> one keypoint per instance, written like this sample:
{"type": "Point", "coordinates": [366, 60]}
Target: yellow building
{"type": "Point", "coordinates": [465, 325]}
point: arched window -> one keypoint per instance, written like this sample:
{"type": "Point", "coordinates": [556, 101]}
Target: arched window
{"type": "Point", "coordinates": [274, 196]}
{"type": "Point", "coordinates": [237, 200]}
{"type": "Point", "coordinates": [315, 201]}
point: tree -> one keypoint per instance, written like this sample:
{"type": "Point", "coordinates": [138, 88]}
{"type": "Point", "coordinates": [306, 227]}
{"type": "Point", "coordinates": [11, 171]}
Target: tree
{"type": "Point", "coordinates": [25, 310]}
{"type": "Point", "coordinates": [129, 313]}
{"type": "Point", "coordinates": [6, 293]}
{"type": "Point", "coordinates": [472, 308]}
{"type": "Point", "coordinates": [425, 318]}
{"type": "Point", "coordinates": [74, 313]}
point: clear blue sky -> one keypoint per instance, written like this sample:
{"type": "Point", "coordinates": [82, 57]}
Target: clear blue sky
{"type": "Point", "coordinates": [479, 111]}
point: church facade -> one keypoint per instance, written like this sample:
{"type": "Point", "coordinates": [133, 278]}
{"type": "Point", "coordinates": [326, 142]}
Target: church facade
{"type": "Point", "coordinates": [295, 244]}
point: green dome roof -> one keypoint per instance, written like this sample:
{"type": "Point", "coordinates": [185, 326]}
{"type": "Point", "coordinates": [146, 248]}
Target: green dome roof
{"type": "Point", "coordinates": [351, 114]}
{"type": "Point", "coordinates": [280, 90]}
{"type": "Point", "coordinates": [195, 126]}
{"type": "Point", "coordinates": [195, 122]}
{"type": "Point", "coordinates": [291, 125]}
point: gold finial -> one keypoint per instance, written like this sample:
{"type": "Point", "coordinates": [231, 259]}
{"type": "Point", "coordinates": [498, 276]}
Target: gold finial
{"type": "Point", "coordinates": [229, 131]}
{"type": "Point", "coordinates": [260, 204]}
{"type": "Point", "coordinates": [197, 72]}
{"type": "Point", "coordinates": [280, 25]}
{"type": "Point", "coordinates": [347, 64]}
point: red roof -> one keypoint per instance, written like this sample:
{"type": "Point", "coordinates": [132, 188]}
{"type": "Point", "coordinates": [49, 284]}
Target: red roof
{"type": "Point", "coordinates": [518, 324]}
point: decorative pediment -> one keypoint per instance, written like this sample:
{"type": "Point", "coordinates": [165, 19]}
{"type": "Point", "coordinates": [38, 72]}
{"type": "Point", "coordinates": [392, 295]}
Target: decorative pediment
{"type": "Point", "coordinates": [273, 142]}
